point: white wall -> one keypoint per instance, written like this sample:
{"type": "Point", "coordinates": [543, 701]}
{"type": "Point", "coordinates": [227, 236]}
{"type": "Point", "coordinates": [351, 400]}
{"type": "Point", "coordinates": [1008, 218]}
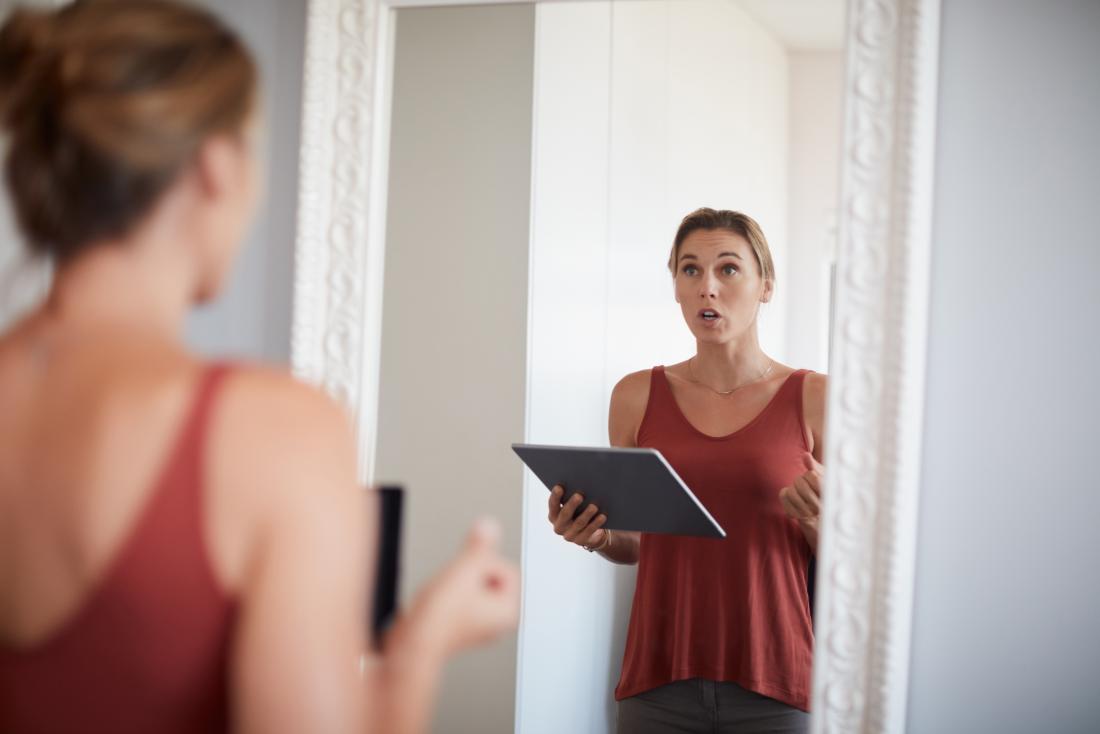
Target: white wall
{"type": "Point", "coordinates": [817, 87]}
{"type": "Point", "coordinates": [252, 318]}
{"type": "Point", "coordinates": [571, 632]}
{"type": "Point", "coordinates": [643, 112]}
{"type": "Point", "coordinates": [1007, 598]}
{"type": "Point", "coordinates": [454, 329]}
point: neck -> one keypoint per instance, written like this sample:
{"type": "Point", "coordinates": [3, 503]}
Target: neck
{"type": "Point", "coordinates": [133, 284]}
{"type": "Point", "coordinates": [730, 364]}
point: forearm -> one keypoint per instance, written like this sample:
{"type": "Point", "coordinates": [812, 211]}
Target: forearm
{"type": "Point", "coordinates": [623, 547]}
{"type": "Point", "coordinates": [405, 683]}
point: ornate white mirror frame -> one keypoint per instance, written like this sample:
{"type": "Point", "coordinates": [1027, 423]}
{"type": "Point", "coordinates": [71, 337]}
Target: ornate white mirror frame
{"type": "Point", "coordinates": [866, 560]}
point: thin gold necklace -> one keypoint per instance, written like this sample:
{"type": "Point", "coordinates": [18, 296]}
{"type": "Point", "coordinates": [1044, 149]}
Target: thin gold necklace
{"type": "Point", "coordinates": [763, 374]}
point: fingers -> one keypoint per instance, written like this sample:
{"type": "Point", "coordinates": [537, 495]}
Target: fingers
{"type": "Point", "coordinates": [801, 500]}
{"type": "Point", "coordinates": [501, 575]}
{"type": "Point", "coordinates": [583, 536]}
{"type": "Point", "coordinates": [583, 528]}
{"type": "Point", "coordinates": [555, 502]}
{"type": "Point", "coordinates": [812, 481]}
{"type": "Point", "coordinates": [484, 536]}
{"type": "Point", "coordinates": [809, 494]}
{"type": "Point", "coordinates": [568, 510]}
{"type": "Point", "coordinates": [473, 600]}
{"type": "Point", "coordinates": [792, 504]}
{"type": "Point", "coordinates": [580, 523]}
{"type": "Point", "coordinates": [593, 534]}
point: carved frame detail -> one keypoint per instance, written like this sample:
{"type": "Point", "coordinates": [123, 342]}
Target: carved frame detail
{"type": "Point", "coordinates": [876, 392]}
{"type": "Point", "coordinates": [338, 264]}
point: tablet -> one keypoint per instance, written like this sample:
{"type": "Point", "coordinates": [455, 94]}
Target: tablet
{"type": "Point", "coordinates": [387, 571]}
{"type": "Point", "coordinates": [636, 488]}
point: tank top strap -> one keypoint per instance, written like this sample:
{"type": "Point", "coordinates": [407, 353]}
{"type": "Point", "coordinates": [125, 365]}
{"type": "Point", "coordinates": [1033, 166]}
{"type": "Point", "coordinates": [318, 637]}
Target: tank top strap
{"type": "Point", "coordinates": [203, 401]}
{"type": "Point", "coordinates": [658, 384]}
{"type": "Point", "coordinates": [188, 457]}
{"type": "Point", "coordinates": [659, 404]}
{"type": "Point", "coordinates": [177, 505]}
{"type": "Point", "coordinates": [789, 401]}
{"type": "Point", "coordinates": [661, 400]}
{"type": "Point", "coordinates": [795, 382]}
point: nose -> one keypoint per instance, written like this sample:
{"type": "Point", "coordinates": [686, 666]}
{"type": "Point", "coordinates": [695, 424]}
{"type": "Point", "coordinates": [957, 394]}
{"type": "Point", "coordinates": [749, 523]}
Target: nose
{"type": "Point", "coordinates": [708, 286]}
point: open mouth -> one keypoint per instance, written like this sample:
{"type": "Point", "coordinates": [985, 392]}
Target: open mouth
{"type": "Point", "coordinates": [709, 314]}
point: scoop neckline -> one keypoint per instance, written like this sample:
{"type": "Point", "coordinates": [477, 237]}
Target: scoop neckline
{"type": "Point", "coordinates": [750, 424]}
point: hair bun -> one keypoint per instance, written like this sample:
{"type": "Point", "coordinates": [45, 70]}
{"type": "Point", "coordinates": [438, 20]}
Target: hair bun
{"type": "Point", "coordinates": [26, 40]}
{"type": "Point", "coordinates": [104, 103]}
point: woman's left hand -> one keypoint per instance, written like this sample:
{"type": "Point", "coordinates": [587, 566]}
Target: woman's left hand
{"type": "Point", "coordinates": [802, 499]}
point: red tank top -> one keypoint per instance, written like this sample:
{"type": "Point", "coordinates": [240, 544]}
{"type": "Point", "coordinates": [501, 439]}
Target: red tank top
{"type": "Point", "coordinates": [147, 650]}
{"type": "Point", "coordinates": [735, 609]}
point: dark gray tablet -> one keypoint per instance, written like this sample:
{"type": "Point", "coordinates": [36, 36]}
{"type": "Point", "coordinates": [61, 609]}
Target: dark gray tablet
{"type": "Point", "coordinates": [635, 488]}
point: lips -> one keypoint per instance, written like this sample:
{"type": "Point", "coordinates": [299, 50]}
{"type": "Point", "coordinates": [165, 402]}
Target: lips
{"type": "Point", "coordinates": [709, 315]}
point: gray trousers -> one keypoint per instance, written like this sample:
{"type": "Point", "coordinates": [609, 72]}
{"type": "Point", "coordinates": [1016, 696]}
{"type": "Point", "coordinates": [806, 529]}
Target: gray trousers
{"type": "Point", "coordinates": [700, 706]}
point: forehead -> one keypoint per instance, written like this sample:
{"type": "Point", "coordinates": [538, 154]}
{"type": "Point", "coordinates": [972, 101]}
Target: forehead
{"type": "Point", "coordinates": [704, 243]}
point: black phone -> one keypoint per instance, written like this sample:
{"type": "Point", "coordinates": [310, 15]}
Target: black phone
{"type": "Point", "coordinates": [387, 571]}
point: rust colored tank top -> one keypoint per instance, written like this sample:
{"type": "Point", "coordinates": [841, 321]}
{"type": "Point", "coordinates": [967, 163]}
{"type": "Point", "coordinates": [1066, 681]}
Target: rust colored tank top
{"type": "Point", "coordinates": [735, 609]}
{"type": "Point", "coordinates": [147, 650]}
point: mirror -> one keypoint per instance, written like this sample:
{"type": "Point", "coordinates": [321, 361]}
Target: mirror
{"type": "Point", "coordinates": [580, 297]}
{"type": "Point", "coordinates": [540, 159]}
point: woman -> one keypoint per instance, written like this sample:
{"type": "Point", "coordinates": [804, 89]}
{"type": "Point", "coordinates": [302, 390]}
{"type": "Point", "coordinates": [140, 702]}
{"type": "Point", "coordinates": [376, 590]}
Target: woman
{"type": "Point", "coordinates": [720, 636]}
{"type": "Point", "coordinates": [183, 547]}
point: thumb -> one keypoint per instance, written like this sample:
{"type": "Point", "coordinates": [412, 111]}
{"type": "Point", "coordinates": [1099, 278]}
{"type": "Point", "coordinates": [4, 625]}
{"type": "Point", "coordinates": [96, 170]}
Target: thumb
{"type": "Point", "coordinates": [484, 536]}
{"type": "Point", "coordinates": [810, 462]}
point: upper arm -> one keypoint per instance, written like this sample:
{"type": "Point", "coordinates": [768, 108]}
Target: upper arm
{"type": "Point", "coordinates": [628, 404]}
{"type": "Point", "coordinates": [814, 393]}
{"type": "Point", "coordinates": [303, 595]}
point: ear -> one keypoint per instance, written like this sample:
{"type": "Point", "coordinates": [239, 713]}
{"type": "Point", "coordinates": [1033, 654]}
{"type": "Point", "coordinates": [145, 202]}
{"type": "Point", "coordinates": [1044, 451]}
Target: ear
{"type": "Point", "coordinates": [215, 165]}
{"type": "Point", "coordinates": [769, 291]}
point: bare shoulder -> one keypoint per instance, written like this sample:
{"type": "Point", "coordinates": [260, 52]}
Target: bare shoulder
{"type": "Point", "coordinates": [268, 417]}
{"type": "Point", "coordinates": [281, 467]}
{"type": "Point", "coordinates": [262, 391]}
{"type": "Point", "coordinates": [815, 390]}
{"type": "Point", "coordinates": [631, 393]}
{"type": "Point", "coordinates": [628, 404]}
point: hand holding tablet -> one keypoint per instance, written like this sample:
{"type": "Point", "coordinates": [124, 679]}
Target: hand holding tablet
{"type": "Point", "coordinates": [634, 487]}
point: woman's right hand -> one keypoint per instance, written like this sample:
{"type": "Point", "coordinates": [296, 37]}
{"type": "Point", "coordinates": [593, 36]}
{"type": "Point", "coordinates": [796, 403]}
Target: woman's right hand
{"type": "Point", "coordinates": [471, 602]}
{"type": "Point", "coordinates": [586, 529]}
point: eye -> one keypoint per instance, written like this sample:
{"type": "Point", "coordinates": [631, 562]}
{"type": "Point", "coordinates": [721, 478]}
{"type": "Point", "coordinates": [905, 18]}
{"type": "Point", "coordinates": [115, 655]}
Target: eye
{"type": "Point", "coordinates": [729, 269]}
{"type": "Point", "coordinates": [690, 270]}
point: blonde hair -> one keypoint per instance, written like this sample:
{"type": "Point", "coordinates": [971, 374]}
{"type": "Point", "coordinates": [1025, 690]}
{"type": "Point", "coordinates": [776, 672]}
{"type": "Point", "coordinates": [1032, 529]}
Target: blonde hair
{"type": "Point", "coordinates": [731, 221]}
{"type": "Point", "coordinates": [104, 103]}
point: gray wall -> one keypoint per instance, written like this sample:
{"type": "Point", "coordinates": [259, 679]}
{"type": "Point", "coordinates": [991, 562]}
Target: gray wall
{"type": "Point", "coordinates": [252, 317]}
{"type": "Point", "coordinates": [1007, 625]}
{"type": "Point", "coordinates": [454, 331]}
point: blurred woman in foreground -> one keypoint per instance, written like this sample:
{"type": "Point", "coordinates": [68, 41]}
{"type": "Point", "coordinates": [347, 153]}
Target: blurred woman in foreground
{"type": "Point", "coordinates": [183, 547]}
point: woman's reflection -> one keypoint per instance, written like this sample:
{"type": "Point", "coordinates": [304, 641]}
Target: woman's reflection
{"type": "Point", "coordinates": [720, 631]}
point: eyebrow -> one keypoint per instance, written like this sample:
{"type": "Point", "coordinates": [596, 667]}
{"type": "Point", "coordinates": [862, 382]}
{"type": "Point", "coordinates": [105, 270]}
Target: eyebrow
{"type": "Point", "coordinates": [721, 254]}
